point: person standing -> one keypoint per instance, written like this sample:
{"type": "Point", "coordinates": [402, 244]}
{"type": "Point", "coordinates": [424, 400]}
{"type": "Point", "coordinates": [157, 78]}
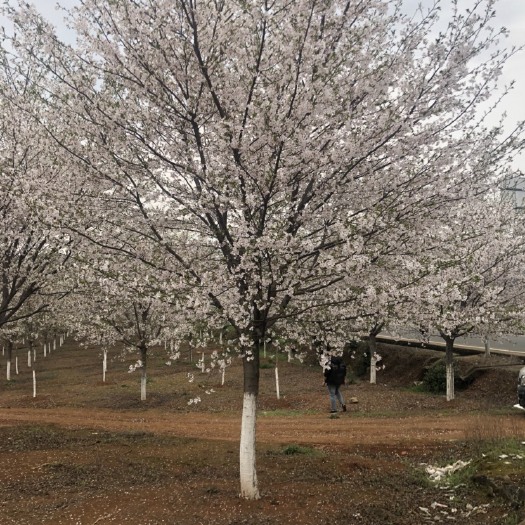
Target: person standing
{"type": "Point", "coordinates": [334, 377]}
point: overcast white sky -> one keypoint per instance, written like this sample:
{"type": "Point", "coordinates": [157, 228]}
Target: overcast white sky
{"type": "Point", "coordinates": [509, 14]}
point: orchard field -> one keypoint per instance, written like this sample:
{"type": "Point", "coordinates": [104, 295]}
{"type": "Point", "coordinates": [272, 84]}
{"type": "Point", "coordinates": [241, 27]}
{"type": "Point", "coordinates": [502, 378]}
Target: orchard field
{"type": "Point", "coordinates": [84, 451]}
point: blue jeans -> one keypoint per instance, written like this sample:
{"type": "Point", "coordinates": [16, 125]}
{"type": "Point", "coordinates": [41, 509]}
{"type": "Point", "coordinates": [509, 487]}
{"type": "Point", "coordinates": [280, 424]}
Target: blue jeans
{"type": "Point", "coordinates": [335, 395]}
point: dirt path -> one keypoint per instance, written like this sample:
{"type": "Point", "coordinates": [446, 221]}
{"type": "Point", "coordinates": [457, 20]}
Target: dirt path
{"type": "Point", "coordinates": [313, 429]}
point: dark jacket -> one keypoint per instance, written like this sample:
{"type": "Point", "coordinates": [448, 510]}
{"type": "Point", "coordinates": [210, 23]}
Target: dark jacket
{"type": "Point", "coordinates": [335, 375]}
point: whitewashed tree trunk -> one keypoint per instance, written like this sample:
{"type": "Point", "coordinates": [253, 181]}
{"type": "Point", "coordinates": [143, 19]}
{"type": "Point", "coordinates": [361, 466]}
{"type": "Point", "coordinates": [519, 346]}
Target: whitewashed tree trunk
{"type": "Point", "coordinates": [29, 358]}
{"type": "Point", "coordinates": [104, 365]}
{"type": "Point", "coordinates": [248, 473]}
{"type": "Point", "coordinates": [55, 343]}
{"type": "Point", "coordinates": [220, 337]}
{"type": "Point", "coordinates": [247, 456]}
{"type": "Point", "coordinates": [203, 365]}
{"type": "Point", "coordinates": [277, 392]}
{"type": "Point", "coordinates": [290, 355]}
{"type": "Point", "coordinates": [486, 342]}
{"type": "Point", "coordinates": [143, 381]}
{"type": "Point", "coordinates": [372, 346]}
{"type": "Point", "coordinates": [34, 383]}
{"type": "Point", "coordinates": [34, 355]}
{"type": "Point", "coordinates": [264, 348]}
{"type": "Point", "coordinates": [223, 373]}
{"type": "Point", "coordinates": [144, 371]}
{"type": "Point", "coordinates": [449, 368]}
{"type": "Point", "coordinates": [16, 365]}
{"type": "Point", "coordinates": [9, 358]}
{"type": "Point", "coordinates": [373, 369]}
{"type": "Point", "coordinates": [45, 350]}
{"type": "Point", "coordinates": [450, 382]}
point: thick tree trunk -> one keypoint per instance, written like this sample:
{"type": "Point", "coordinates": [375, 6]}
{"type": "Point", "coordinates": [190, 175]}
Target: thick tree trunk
{"type": "Point", "coordinates": [449, 366]}
{"type": "Point", "coordinates": [248, 473]}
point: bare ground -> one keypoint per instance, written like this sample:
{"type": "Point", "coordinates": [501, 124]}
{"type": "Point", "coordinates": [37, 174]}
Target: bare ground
{"type": "Point", "coordinates": [86, 452]}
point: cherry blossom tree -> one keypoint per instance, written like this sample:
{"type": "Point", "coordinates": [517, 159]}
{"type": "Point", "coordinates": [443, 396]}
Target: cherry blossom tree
{"type": "Point", "coordinates": [267, 147]}
{"type": "Point", "coordinates": [119, 303]}
{"type": "Point", "coordinates": [33, 256]}
{"type": "Point", "coordinates": [476, 281]}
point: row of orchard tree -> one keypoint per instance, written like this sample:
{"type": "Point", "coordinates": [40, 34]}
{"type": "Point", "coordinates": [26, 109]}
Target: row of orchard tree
{"type": "Point", "coordinates": [315, 170]}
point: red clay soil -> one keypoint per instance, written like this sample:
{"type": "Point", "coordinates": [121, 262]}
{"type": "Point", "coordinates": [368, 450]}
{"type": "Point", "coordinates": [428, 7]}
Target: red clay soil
{"type": "Point", "coordinates": [315, 429]}
{"type": "Point", "coordinates": [85, 452]}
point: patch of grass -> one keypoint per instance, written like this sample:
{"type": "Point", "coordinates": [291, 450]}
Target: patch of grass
{"type": "Point", "coordinates": [419, 388]}
{"type": "Point", "coordinates": [294, 449]}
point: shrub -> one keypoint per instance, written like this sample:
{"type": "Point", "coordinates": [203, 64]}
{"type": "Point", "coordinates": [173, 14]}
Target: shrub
{"type": "Point", "coordinates": [435, 378]}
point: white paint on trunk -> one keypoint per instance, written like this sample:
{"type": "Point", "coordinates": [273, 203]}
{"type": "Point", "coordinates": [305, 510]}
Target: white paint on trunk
{"type": "Point", "coordinates": [220, 338]}
{"type": "Point", "coordinates": [34, 355]}
{"type": "Point", "coordinates": [487, 346]}
{"type": "Point", "coordinates": [373, 368]}
{"type": "Point", "coordinates": [203, 365]}
{"type": "Point", "coordinates": [29, 358]}
{"type": "Point", "coordinates": [264, 348]}
{"type": "Point", "coordinates": [450, 381]}
{"type": "Point", "coordinates": [277, 383]}
{"type": "Point", "coordinates": [223, 373]}
{"type": "Point", "coordinates": [16, 365]}
{"type": "Point", "coordinates": [34, 383]}
{"type": "Point", "coordinates": [248, 474]}
{"type": "Point", "coordinates": [45, 350]}
{"type": "Point", "coordinates": [54, 343]}
{"type": "Point", "coordinates": [290, 355]}
{"type": "Point", "coordinates": [104, 365]}
{"type": "Point", "coordinates": [143, 380]}
{"type": "Point", "coordinates": [9, 370]}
